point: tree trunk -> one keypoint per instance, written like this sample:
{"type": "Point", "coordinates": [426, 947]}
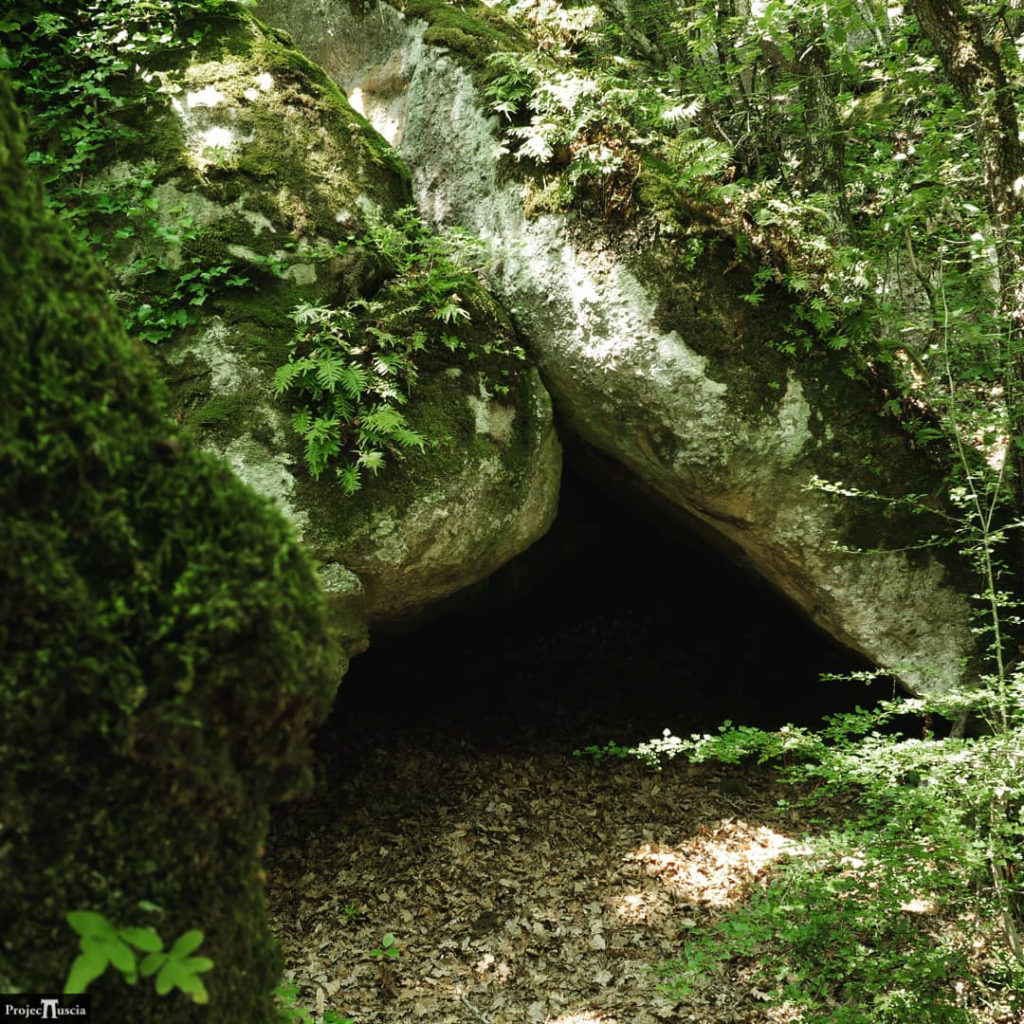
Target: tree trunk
{"type": "Point", "coordinates": [975, 68]}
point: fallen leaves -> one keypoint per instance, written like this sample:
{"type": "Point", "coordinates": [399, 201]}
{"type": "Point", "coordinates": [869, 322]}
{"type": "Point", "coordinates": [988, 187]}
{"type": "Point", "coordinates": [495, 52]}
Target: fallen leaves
{"type": "Point", "coordinates": [524, 890]}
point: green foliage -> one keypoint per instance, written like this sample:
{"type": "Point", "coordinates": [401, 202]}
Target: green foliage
{"type": "Point", "coordinates": [172, 309]}
{"type": "Point", "coordinates": [388, 948]}
{"type": "Point", "coordinates": [885, 915]}
{"type": "Point", "coordinates": [819, 140]}
{"type": "Point", "coordinates": [652, 753]}
{"type": "Point", "coordinates": [102, 945]}
{"type": "Point", "coordinates": [352, 367]}
{"type": "Point", "coordinates": [889, 911]}
{"type": "Point", "coordinates": [349, 391]}
{"type": "Point", "coordinates": [905, 903]}
{"type": "Point", "coordinates": [79, 71]}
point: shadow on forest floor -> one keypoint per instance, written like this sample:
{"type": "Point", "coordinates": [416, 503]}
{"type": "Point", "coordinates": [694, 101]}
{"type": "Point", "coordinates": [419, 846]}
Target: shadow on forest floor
{"type": "Point", "coordinates": [523, 884]}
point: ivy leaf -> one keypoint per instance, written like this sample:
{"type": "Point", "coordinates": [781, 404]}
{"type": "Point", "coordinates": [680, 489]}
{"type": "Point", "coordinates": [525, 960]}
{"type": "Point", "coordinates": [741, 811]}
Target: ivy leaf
{"type": "Point", "coordinates": [197, 964]}
{"type": "Point", "coordinates": [193, 987]}
{"type": "Point", "coordinates": [120, 955]}
{"type": "Point", "coordinates": [187, 943]}
{"type": "Point", "coordinates": [167, 978]}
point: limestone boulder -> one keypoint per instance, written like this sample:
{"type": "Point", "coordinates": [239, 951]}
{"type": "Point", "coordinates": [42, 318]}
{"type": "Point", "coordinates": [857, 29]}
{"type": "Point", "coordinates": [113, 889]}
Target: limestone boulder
{"type": "Point", "coordinates": [652, 356]}
{"type": "Point", "coordinates": [265, 184]}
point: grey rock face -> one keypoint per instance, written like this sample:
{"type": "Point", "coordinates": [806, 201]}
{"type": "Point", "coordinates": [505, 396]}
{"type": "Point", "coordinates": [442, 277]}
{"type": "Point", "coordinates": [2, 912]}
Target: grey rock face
{"type": "Point", "coordinates": [268, 162]}
{"type": "Point", "coordinates": [664, 368]}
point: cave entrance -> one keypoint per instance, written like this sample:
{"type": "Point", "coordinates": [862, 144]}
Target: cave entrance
{"type": "Point", "coordinates": [618, 624]}
{"type": "Point", "coordinates": [521, 883]}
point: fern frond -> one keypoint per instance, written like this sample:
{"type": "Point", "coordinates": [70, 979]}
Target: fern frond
{"type": "Point", "coordinates": [353, 381]}
{"type": "Point", "coordinates": [373, 460]}
{"type": "Point", "coordinates": [302, 420]}
{"type": "Point", "coordinates": [285, 376]}
{"type": "Point", "coordinates": [307, 313]}
{"type": "Point", "coordinates": [329, 371]}
{"type": "Point", "coordinates": [349, 477]}
{"type": "Point", "coordinates": [409, 438]}
{"type": "Point", "coordinates": [383, 419]}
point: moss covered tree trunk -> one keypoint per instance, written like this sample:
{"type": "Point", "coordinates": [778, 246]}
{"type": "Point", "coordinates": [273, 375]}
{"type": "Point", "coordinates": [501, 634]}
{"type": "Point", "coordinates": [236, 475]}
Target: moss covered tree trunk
{"type": "Point", "coordinates": [164, 652]}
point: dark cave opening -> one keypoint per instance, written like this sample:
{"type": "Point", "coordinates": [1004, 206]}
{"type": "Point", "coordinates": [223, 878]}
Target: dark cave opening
{"type": "Point", "coordinates": [618, 624]}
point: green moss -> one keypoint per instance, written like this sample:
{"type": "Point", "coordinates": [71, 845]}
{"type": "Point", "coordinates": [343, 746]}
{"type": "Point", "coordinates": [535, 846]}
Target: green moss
{"type": "Point", "coordinates": [261, 321]}
{"type": "Point", "coordinates": [223, 410]}
{"type": "Point", "coordinates": [552, 195]}
{"type": "Point", "coordinates": [164, 651]}
{"type": "Point", "coordinates": [658, 195]}
{"type": "Point", "coordinates": [471, 30]}
{"type": "Point", "coordinates": [438, 409]}
{"type": "Point", "coordinates": [308, 146]}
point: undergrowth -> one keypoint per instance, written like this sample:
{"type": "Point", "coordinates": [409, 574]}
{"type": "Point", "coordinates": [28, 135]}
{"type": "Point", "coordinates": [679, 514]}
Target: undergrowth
{"type": "Point", "coordinates": [352, 368]}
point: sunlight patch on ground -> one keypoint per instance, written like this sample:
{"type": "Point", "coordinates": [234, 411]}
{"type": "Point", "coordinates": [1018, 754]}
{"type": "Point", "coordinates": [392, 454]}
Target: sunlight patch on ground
{"type": "Point", "coordinates": [920, 906]}
{"type": "Point", "coordinates": [578, 1018]}
{"type": "Point", "coordinates": [497, 971]}
{"type": "Point", "coordinates": [715, 869]}
{"type": "Point", "coordinates": [784, 1013]}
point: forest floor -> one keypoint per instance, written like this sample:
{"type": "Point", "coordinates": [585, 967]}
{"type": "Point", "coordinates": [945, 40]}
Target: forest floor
{"type": "Point", "coordinates": [523, 885]}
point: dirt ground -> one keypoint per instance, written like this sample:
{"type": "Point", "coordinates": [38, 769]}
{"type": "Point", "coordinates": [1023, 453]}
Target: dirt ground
{"type": "Point", "coordinates": [523, 885]}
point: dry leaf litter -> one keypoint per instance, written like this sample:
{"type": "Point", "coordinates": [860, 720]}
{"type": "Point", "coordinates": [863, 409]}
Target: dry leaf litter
{"type": "Point", "coordinates": [537, 889]}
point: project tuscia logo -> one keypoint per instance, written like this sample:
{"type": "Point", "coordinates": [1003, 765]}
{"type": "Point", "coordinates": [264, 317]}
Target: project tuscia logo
{"type": "Point", "coordinates": [27, 1007]}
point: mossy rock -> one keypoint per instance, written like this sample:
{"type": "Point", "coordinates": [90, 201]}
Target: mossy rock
{"type": "Point", "coordinates": [257, 158]}
{"type": "Point", "coordinates": [299, 178]}
{"type": "Point", "coordinates": [487, 487]}
{"type": "Point", "coordinates": [432, 521]}
{"type": "Point", "coordinates": [471, 30]}
{"type": "Point", "coordinates": [164, 647]}
{"type": "Point", "coordinates": [652, 355]}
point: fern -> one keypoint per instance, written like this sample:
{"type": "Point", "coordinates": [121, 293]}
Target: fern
{"type": "Point", "coordinates": [302, 419]}
{"type": "Point", "coordinates": [354, 380]}
{"type": "Point", "coordinates": [329, 371]}
{"type": "Point", "coordinates": [285, 376]}
{"type": "Point", "coordinates": [351, 368]}
{"type": "Point", "coordinates": [372, 460]}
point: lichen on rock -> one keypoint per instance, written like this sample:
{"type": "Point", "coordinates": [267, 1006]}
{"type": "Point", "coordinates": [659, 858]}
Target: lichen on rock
{"type": "Point", "coordinates": [278, 179]}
